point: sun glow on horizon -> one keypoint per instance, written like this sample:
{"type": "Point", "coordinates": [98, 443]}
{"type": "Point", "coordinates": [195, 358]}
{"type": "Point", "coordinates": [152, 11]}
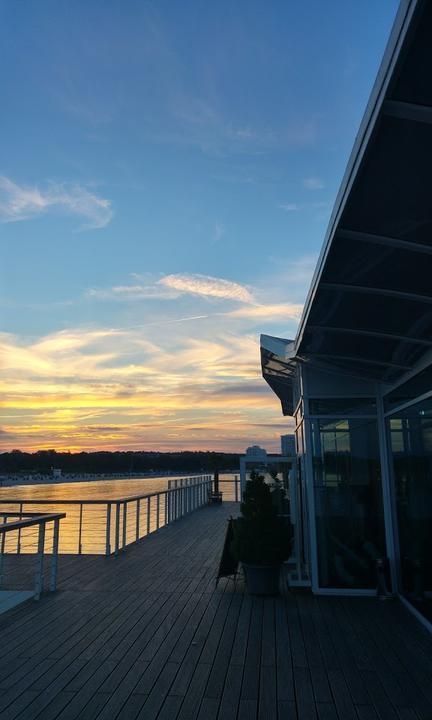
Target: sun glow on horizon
{"type": "Point", "coordinates": [105, 389]}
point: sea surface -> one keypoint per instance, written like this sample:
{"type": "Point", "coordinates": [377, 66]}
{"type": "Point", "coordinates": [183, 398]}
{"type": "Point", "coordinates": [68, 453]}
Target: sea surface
{"type": "Point", "coordinates": [84, 529]}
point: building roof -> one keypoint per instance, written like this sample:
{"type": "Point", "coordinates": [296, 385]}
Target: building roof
{"type": "Point", "coordinates": [369, 308]}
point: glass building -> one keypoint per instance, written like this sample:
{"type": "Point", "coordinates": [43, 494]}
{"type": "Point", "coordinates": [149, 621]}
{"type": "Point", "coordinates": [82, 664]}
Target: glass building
{"type": "Point", "coordinates": [358, 377]}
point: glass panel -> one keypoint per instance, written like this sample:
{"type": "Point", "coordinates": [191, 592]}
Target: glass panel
{"type": "Point", "coordinates": [348, 502]}
{"type": "Point", "coordinates": [411, 442]}
{"type": "Point", "coordinates": [345, 406]}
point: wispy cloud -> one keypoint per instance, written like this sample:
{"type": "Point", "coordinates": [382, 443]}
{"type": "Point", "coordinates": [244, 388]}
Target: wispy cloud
{"type": "Point", "coordinates": [207, 286]}
{"type": "Point", "coordinates": [283, 312]}
{"type": "Point", "coordinates": [20, 202]}
{"type": "Point", "coordinates": [132, 293]}
{"type": "Point", "coordinates": [218, 233]}
{"type": "Point", "coordinates": [313, 183]}
{"type": "Point", "coordinates": [170, 287]}
{"type": "Point", "coordinates": [289, 207]}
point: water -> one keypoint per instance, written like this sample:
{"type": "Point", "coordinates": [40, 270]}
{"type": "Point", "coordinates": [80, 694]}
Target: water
{"type": "Point", "coordinates": [85, 527]}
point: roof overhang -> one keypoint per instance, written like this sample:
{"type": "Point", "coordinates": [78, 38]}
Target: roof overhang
{"type": "Point", "coordinates": [278, 366]}
{"type": "Point", "coordinates": [369, 309]}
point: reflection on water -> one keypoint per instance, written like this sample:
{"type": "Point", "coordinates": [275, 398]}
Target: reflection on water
{"type": "Point", "coordinates": [93, 490]}
{"type": "Point", "coordinates": [84, 529]}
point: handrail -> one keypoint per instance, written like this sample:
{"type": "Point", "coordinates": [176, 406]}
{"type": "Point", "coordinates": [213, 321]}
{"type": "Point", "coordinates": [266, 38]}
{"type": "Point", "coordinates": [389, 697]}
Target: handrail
{"type": "Point", "coordinates": [8, 527]}
{"type": "Point", "coordinates": [124, 519]}
{"type": "Point", "coordinates": [38, 521]}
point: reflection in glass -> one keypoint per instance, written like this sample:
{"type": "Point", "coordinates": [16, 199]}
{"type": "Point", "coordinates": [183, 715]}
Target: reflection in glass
{"type": "Point", "coordinates": [348, 502]}
{"type": "Point", "coordinates": [411, 441]}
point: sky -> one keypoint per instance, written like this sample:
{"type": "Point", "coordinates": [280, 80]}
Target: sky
{"type": "Point", "coordinates": [167, 172]}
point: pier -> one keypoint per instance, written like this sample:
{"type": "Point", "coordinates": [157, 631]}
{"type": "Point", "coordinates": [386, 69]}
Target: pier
{"type": "Point", "coordinates": [148, 635]}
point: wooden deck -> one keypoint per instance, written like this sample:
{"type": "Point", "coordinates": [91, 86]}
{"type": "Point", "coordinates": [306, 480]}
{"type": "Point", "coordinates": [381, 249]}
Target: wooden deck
{"type": "Point", "coordinates": [147, 635]}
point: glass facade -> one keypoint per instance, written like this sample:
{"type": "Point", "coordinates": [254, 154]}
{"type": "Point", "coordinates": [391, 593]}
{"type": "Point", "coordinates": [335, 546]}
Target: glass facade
{"type": "Point", "coordinates": [411, 444]}
{"type": "Point", "coordinates": [348, 502]}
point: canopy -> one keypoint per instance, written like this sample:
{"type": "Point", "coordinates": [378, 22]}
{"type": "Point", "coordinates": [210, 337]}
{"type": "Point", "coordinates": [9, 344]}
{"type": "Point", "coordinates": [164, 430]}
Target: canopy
{"type": "Point", "coordinates": [369, 309]}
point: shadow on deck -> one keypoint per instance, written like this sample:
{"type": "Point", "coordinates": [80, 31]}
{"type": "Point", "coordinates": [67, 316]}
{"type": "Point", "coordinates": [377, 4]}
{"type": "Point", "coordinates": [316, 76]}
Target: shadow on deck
{"type": "Point", "coordinates": [147, 635]}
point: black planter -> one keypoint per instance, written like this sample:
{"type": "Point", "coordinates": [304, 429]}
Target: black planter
{"type": "Point", "coordinates": [262, 579]}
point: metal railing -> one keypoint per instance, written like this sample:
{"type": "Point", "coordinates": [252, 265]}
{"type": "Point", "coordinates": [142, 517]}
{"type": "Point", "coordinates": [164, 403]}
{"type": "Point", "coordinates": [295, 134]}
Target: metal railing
{"type": "Point", "coordinates": [230, 489]}
{"type": "Point", "coordinates": [108, 526]}
{"type": "Point", "coordinates": [27, 537]}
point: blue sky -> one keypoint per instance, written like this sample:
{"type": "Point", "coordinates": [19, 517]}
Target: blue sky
{"type": "Point", "coordinates": [163, 161]}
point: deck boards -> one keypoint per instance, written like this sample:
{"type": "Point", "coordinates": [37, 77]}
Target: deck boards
{"type": "Point", "coordinates": [148, 635]}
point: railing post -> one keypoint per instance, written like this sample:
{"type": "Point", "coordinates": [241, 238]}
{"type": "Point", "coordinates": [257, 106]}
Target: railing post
{"type": "Point", "coordinates": [2, 548]}
{"type": "Point", "coordinates": [236, 488]}
{"type": "Point", "coordinates": [117, 528]}
{"type": "Point", "coordinates": [108, 530]}
{"type": "Point", "coordinates": [138, 510]}
{"type": "Point", "coordinates": [19, 531]}
{"type": "Point", "coordinates": [39, 562]}
{"type": "Point", "coordinates": [54, 559]}
{"type": "Point", "coordinates": [80, 529]}
{"type": "Point", "coordinates": [148, 515]}
{"type": "Point", "coordinates": [166, 507]}
{"type": "Point", "coordinates": [157, 510]}
{"type": "Point", "coordinates": [124, 543]}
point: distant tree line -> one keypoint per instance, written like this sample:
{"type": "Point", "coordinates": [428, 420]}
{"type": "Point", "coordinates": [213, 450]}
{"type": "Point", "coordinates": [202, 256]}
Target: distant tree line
{"type": "Point", "coordinates": [42, 461]}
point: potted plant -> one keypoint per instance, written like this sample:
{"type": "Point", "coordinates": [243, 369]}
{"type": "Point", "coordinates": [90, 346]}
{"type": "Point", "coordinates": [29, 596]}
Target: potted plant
{"type": "Point", "coordinates": [262, 539]}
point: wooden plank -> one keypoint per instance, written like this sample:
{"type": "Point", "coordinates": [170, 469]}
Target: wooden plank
{"type": "Point", "coordinates": [347, 648]}
{"type": "Point", "coordinates": [342, 695]}
{"type": "Point", "coordinates": [306, 708]}
{"type": "Point", "coordinates": [284, 667]}
{"type": "Point", "coordinates": [231, 693]}
{"type": "Point", "coordinates": [287, 710]}
{"type": "Point", "coordinates": [147, 635]}
{"type": "Point", "coordinates": [267, 704]}
{"type": "Point", "coordinates": [250, 686]}
{"type": "Point", "coordinates": [195, 692]}
{"type": "Point", "coordinates": [327, 711]}
{"type": "Point", "coordinates": [394, 677]}
{"type": "Point", "coordinates": [218, 672]}
{"type": "Point", "coordinates": [209, 709]}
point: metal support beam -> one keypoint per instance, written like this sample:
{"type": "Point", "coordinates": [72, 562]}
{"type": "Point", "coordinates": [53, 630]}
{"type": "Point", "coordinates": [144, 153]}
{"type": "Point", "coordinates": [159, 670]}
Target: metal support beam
{"type": "Point", "coordinates": [384, 240]}
{"type": "Point", "coordinates": [370, 333]}
{"type": "Point", "coordinates": [343, 287]}
{"type": "Point", "coordinates": [360, 359]}
{"type": "Point", "coordinates": [408, 111]}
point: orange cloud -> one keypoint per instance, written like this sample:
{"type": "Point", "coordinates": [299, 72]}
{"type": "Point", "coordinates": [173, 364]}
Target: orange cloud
{"type": "Point", "coordinates": [123, 389]}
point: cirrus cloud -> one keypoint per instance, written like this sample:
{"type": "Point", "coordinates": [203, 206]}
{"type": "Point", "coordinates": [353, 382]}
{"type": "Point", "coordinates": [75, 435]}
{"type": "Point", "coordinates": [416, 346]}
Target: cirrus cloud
{"type": "Point", "coordinates": [207, 286]}
{"type": "Point", "coordinates": [20, 202]}
{"type": "Point", "coordinates": [170, 287]}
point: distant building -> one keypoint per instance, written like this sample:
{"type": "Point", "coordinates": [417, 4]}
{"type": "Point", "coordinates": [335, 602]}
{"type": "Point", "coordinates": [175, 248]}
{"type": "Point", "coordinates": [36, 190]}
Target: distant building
{"type": "Point", "coordinates": [256, 451]}
{"type": "Point", "coordinates": [358, 376]}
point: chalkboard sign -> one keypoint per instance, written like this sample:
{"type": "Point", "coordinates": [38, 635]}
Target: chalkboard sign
{"type": "Point", "coordinates": [228, 564]}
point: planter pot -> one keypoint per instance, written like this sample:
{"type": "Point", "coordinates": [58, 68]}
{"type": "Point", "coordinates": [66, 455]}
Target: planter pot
{"type": "Point", "coordinates": [262, 579]}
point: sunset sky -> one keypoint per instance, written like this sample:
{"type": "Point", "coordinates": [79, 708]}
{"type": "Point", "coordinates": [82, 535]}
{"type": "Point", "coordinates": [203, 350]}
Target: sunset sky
{"type": "Point", "coordinates": [168, 169]}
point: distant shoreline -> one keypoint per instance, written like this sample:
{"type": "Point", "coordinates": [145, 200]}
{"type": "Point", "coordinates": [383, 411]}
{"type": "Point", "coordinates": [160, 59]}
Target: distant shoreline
{"type": "Point", "coordinates": [38, 479]}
